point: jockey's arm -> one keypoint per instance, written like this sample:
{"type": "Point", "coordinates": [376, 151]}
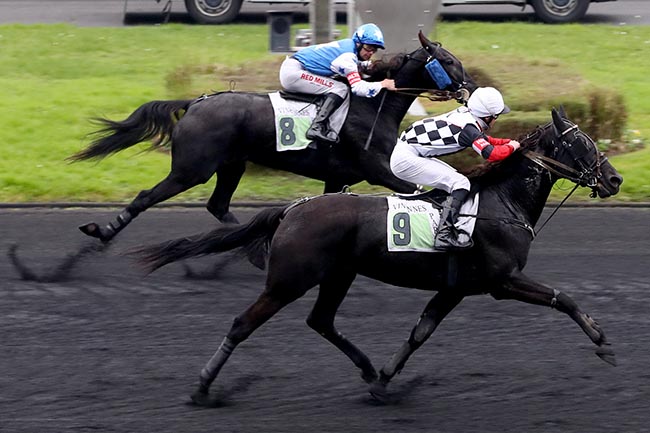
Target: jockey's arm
{"type": "Point", "coordinates": [365, 68]}
{"type": "Point", "coordinates": [347, 66]}
{"type": "Point", "coordinates": [490, 148]}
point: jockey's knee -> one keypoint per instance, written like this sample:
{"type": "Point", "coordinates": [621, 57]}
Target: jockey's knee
{"type": "Point", "coordinates": [460, 182]}
{"type": "Point", "coordinates": [340, 89]}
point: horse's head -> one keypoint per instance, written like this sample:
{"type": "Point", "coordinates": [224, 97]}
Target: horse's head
{"type": "Point", "coordinates": [569, 153]}
{"type": "Point", "coordinates": [440, 63]}
{"type": "Point", "coordinates": [433, 67]}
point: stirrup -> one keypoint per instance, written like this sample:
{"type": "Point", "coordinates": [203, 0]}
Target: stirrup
{"type": "Point", "coordinates": [316, 132]}
{"type": "Point", "coordinates": [447, 240]}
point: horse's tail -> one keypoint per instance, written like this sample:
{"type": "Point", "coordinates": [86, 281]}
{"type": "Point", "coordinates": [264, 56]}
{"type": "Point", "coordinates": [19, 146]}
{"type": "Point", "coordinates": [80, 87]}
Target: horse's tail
{"type": "Point", "coordinates": [154, 120]}
{"type": "Point", "coordinates": [253, 238]}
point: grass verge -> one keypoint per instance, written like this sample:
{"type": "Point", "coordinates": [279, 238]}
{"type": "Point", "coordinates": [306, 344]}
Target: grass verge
{"type": "Point", "coordinates": [56, 77]}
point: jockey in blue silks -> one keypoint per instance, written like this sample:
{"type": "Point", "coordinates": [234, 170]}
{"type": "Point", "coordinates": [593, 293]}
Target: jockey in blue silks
{"type": "Point", "coordinates": [311, 70]}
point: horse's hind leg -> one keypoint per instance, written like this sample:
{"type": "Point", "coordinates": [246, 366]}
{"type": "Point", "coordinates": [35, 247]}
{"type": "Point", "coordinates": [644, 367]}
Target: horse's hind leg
{"type": "Point", "coordinates": [321, 319]}
{"type": "Point", "coordinates": [269, 303]}
{"type": "Point", "coordinates": [522, 288]}
{"type": "Point", "coordinates": [228, 178]}
{"type": "Point", "coordinates": [172, 185]}
{"type": "Point", "coordinates": [436, 310]}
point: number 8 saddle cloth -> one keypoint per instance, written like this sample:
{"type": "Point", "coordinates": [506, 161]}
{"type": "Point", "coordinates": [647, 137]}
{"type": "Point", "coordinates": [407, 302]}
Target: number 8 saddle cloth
{"type": "Point", "coordinates": [294, 117]}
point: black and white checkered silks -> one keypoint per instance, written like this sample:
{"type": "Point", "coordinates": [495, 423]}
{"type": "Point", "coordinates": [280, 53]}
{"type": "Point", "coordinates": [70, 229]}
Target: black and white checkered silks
{"type": "Point", "coordinates": [413, 157]}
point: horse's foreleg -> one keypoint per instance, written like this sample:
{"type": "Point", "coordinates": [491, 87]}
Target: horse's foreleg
{"type": "Point", "coordinates": [321, 319]}
{"type": "Point", "coordinates": [228, 178]}
{"type": "Point", "coordinates": [520, 287]}
{"type": "Point", "coordinates": [168, 187]}
{"type": "Point", "coordinates": [435, 311]}
{"type": "Point", "coordinates": [243, 326]}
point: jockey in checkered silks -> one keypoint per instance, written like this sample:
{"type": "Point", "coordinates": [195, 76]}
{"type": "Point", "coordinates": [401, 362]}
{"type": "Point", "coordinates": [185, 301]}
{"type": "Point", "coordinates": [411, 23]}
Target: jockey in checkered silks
{"type": "Point", "coordinates": [312, 69]}
{"type": "Point", "coordinates": [413, 158]}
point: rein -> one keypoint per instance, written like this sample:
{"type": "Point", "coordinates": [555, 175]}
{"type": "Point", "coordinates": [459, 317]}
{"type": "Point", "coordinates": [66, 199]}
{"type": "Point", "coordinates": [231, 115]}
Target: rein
{"type": "Point", "coordinates": [435, 95]}
{"type": "Point", "coordinates": [549, 163]}
{"type": "Point", "coordinates": [374, 122]}
{"type": "Point", "coordinates": [557, 208]}
{"type": "Point", "coordinates": [440, 95]}
{"type": "Point", "coordinates": [586, 177]}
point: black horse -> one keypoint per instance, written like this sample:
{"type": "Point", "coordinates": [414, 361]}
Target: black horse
{"type": "Point", "coordinates": [327, 240]}
{"type": "Point", "coordinates": [218, 134]}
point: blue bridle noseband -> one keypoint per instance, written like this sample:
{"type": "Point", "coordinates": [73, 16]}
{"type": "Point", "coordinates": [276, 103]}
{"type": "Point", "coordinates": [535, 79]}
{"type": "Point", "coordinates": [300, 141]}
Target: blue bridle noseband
{"type": "Point", "coordinates": [438, 74]}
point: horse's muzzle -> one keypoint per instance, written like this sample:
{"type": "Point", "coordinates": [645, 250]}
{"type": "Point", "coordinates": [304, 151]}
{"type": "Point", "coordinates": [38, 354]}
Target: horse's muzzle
{"type": "Point", "coordinates": [609, 184]}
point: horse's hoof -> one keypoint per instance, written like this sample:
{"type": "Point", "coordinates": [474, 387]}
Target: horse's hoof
{"type": "Point", "coordinates": [229, 218]}
{"type": "Point", "coordinates": [378, 392]}
{"type": "Point", "coordinates": [606, 353]}
{"type": "Point", "coordinates": [204, 399]}
{"type": "Point", "coordinates": [91, 229]}
{"type": "Point", "coordinates": [95, 231]}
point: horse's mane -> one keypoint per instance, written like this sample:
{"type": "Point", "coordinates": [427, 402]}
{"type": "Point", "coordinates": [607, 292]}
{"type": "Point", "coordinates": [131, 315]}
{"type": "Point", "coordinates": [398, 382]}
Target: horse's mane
{"type": "Point", "coordinates": [385, 66]}
{"type": "Point", "coordinates": [492, 172]}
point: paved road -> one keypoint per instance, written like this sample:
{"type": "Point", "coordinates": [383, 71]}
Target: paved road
{"type": "Point", "coordinates": [111, 12]}
{"type": "Point", "coordinates": [111, 350]}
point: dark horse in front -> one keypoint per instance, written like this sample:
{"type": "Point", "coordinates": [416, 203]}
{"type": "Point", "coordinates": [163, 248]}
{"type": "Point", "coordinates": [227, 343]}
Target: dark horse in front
{"type": "Point", "coordinates": [218, 134]}
{"type": "Point", "coordinates": [327, 240]}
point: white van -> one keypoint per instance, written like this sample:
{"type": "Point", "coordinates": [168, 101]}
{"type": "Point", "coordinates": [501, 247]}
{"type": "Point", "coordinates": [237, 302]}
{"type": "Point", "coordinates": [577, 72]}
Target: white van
{"type": "Point", "coordinates": [550, 11]}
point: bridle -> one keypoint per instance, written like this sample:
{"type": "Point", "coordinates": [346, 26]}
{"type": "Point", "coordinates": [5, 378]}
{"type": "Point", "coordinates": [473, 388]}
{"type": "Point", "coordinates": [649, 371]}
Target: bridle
{"type": "Point", "coordinates": [586, 175]}
{"type": "Point", "coordinates": [439, 75]}
{"type": "Point", "coordinates": [461, 95]}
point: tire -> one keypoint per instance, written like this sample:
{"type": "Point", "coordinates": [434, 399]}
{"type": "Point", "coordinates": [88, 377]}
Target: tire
{"type": "Point", "coordinates": [560, 11]}
{"type": "Point", "coordinates": [213, 11]}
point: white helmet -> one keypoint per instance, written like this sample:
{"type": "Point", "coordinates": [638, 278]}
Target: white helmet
{"type": "Point", "coordinates": [487, 101]}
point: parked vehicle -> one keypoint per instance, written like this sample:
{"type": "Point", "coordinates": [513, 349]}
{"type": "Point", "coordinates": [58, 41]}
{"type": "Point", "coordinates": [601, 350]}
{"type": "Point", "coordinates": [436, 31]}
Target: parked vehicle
{"type": "Point", "coordinates": [549, 11]}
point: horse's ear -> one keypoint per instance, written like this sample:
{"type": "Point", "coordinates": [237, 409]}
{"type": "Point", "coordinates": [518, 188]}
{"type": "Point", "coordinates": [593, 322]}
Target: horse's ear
{"type": "Point", "coordinates": [563, 113]}
{"type": "Point", "coordinates": [423, 39]}
{"type": "Point", "coordinates": [425, 42]}
{"type": "Point", "coordinates": [557, 121]}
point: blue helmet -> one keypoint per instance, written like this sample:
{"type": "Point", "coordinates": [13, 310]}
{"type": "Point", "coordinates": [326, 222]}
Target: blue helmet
{"type": "Point", "coordinates": [369, 34]}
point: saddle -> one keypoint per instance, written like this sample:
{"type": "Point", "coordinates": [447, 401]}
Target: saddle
{"type": "Point", "coordinates": [302, 97]}
{"type": "Point", "coordinates": [433, 196]}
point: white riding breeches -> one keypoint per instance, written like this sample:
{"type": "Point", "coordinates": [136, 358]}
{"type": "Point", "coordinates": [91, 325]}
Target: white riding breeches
{"type": "Point", "coordinates": [295, 78]}
{"type": "Point", "coordinates": [407, 164]}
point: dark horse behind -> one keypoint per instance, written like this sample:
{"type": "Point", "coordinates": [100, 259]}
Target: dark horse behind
{"type": "Point", "coordinates": [218, 134]}
{"type": "Point", "coordinates": [327, 240]}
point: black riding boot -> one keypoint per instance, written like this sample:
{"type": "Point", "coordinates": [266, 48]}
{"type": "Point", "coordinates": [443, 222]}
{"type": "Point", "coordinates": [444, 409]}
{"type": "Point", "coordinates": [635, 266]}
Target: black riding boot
{"type": "Point", "coordinates": [320, 128]}
{"type": "Point", "coordinates": [447, 235]}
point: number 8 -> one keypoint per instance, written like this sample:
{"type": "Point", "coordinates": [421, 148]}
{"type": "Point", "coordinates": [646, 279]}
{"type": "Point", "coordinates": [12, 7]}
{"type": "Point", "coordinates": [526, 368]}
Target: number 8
{"type": "Point", "coordinates": [288, 137]}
